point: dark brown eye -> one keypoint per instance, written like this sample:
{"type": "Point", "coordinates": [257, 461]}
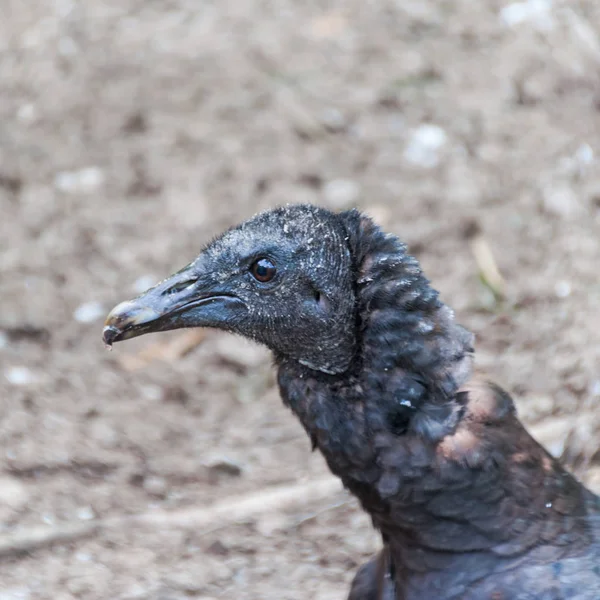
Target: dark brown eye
{"type": "Point", "coordinates": [263, 270]}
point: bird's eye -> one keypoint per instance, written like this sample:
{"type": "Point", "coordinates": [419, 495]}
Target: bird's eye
{"type": "Point", "coordinates": [263, 270]}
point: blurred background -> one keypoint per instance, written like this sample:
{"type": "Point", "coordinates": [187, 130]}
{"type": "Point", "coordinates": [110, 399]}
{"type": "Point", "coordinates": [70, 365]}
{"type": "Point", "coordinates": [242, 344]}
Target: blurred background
{"type": "Point", "coordinates": [131, 131]}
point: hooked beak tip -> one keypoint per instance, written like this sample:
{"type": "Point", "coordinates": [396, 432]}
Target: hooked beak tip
{"type": "Point", "coordinates": [124, 318]}
{"type": "Point", "coordinates": [110, 335]}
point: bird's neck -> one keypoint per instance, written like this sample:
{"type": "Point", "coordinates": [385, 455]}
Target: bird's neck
{"type": "Point", "coordinates": [411, 349]}
{"type": "Point", "coordinates": [421, 455]}
{"type": "Point", "coordinates": [412, 358]}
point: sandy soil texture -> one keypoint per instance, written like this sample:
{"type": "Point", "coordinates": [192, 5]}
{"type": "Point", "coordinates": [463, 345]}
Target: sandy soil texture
{"type": "Point", "coordinates": [132, 131]}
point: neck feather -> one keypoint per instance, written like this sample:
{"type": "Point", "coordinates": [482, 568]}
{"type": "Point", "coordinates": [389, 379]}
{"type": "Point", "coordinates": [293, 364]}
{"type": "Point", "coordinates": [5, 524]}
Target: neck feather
{"type": "Point", "coordinates": [412, 350]}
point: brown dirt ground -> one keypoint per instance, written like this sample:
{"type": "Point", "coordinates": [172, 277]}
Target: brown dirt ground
{"type": "Point", "coordinates": [191, 116]}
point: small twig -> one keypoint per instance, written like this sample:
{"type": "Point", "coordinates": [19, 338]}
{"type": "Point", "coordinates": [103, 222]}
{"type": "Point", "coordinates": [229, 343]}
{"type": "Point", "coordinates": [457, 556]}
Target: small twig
{"type": "Point", "coordinates": [236, 509]}
{"type": "Point", "coordinates": [28, 540]}
{"type": "Point", "coordinates": [486, 263]}
{"type": "Point", "coordinates": [316, 514]}
{"type": "Point", "coordinates": [170, 352]}
{"type": "Point", "coordinates": [584, 34]}
{"type": "Point", "coordinates": [569, 438]}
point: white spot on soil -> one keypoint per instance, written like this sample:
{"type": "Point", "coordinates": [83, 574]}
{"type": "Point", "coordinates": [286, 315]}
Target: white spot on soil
{"type": "Point", "coordinates": [48, 518]}
{"type": "Point", "coordinates": [141, 284]}
{"type": "Point", "coordinates": [15, 594]}
{"type": "Point", "coordinates": [13, 494]}
{"type": "Point", "coordinates": [538, 13]}
{"type": "Point", "coordinates": [425, 145]}
{"type": "Point", "coordinates": [584, 154]}
{"type": "Point", "coordinates": [88, 312]}
{"type": "Point", "coordinates": [27, 114]}
{"type": "Point", "coordinates": [560, 199]}
{"type": "Point", "coordinates": [85, 513]}
{"type": "Point", "coordinates": [333, 119]}
{"type": "Point", "coordinates": [341, 193]}
{"type": "Point", "coordinates": [84, 181]}
{"type": "Point", "coordinates": [19, 375]}
{"type": "Point", "coordinates": [562, 289]}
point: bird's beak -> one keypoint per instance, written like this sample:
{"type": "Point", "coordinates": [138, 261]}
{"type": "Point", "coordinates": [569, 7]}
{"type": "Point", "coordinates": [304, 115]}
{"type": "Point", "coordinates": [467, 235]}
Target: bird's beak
{"type": "Point", "coordinates": [186, 299]}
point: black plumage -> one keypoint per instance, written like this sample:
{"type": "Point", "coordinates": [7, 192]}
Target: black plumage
{"type": "Point", "coordinates": [381, 377]}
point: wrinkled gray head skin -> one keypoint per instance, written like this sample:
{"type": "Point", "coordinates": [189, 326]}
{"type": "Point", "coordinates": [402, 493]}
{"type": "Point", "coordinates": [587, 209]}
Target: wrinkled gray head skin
{"type": "Point", "coordinates": [306, 312]}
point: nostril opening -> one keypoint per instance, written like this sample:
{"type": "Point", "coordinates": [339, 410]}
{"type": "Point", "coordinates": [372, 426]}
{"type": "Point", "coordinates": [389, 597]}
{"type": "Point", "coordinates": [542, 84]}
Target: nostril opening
{"type": "Point", "coordinates": [321, 301]}
{"type": "Point", "coordinates": [179, 287]}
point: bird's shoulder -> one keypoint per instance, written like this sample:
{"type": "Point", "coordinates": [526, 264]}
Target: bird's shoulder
{"type": "Point", "coordinates": [487, 420]}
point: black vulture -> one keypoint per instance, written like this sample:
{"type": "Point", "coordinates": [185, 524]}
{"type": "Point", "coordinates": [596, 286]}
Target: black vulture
{"type": "Point", "coordinates": [380, 375]}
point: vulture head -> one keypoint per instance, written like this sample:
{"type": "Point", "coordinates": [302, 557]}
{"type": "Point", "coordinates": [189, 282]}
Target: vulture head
{"type": "Point", "coordinates": [283, 278]}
